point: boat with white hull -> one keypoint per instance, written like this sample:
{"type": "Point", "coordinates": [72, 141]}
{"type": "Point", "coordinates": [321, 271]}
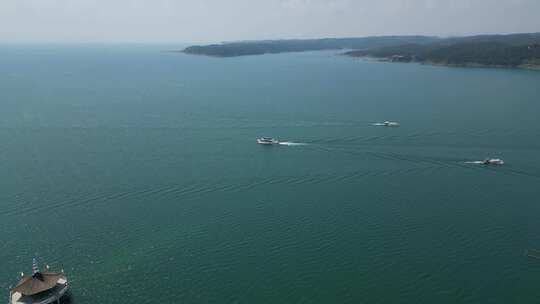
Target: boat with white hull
{"type": "Point", "coordinates": [387, 124]}
{"type": "Point", "coordinates": [42, 287]}
{"type": "Point", "coordinates": [493, 161]}
{"type": "Point", "coordinates": [267, 141]}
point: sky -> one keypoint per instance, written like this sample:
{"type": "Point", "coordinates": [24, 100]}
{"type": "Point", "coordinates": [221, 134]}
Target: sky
{"type": "Point", "coordinates": [205, 21]}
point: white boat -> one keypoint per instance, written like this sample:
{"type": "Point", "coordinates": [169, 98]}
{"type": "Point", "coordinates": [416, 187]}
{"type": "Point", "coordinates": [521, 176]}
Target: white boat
{"type": "Point", "coordinates": [493, 161]}
{"type": "Point", "coordinates": [390, 124]}
{"type": "Point", "coordinates": [386, 124]}
{"type": "Point", "coordinates": [267, 141]}
{"type": "Point", "coordinates": [42, 287]}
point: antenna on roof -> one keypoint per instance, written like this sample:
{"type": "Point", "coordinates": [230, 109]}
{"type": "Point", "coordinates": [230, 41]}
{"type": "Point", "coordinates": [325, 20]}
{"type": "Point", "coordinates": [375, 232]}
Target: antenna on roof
{"type": "Point", "coordinates": [35, 268]}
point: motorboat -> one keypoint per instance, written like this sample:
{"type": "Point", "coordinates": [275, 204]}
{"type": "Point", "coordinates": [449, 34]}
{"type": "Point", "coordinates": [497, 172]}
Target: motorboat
{"type": "Point", "coordinates": [493, 161]}
{"type": "Point", "coordinates": [386, 124]}
{"type": "Point", "coordinates": [390, 124]}
{"type": "Point", "coordinates": [267, 141]}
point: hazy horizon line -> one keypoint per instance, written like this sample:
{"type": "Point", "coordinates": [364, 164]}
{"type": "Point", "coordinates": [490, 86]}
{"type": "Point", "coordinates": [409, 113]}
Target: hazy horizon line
{"type": "Point", "coordinates": [207, 42]}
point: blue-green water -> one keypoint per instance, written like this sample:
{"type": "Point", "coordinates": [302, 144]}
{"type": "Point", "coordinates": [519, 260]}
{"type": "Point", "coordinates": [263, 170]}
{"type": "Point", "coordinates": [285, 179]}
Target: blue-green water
{"type": "Point", "coordinates": [136, 171]}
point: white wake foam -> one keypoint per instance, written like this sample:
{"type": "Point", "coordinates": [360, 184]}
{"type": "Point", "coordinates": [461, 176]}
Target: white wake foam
{"type": "Point", "coordinates": [289, 143]}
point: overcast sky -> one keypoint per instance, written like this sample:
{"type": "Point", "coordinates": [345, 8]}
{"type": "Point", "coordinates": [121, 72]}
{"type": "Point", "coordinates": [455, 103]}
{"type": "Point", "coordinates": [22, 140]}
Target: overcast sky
{"type": "Point", "coordinates": [81, 21]}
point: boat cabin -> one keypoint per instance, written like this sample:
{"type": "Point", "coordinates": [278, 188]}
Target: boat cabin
{"type": "Point", "coordinates": [42, 287]}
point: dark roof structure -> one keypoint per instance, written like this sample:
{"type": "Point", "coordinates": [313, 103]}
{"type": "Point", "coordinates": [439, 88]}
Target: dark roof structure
{"type": "Point", "coordinates": [38, 282]}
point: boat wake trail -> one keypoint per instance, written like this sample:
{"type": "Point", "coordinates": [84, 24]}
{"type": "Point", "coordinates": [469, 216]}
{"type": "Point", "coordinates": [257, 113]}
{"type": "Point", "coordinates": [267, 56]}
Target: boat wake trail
{"type": "Point", "coordinates": [489, 161]}
{"type": "Point", "coordinates": [477, 162]}
{"type": "Point", "coordinates": [289, 143]}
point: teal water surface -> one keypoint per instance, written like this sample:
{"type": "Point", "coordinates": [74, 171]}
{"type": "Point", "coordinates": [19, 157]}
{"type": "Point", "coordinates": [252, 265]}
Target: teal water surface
{"type": "Point", "coordinates": [136, 171]}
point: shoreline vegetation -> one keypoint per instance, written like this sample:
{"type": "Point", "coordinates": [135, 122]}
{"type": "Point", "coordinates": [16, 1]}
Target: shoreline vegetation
{"type": "Point", "coordinates": [524, 66]}
{"type": "Point", "coordinates": [260, 47]}
{"type": "Point", "coordinates": [498, 51]}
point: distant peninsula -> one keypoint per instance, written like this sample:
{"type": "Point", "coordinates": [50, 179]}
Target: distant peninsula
{"type": "Point", "coordinates": [260, 47]}
{"type": "Point", "coordinates": [512, 50]}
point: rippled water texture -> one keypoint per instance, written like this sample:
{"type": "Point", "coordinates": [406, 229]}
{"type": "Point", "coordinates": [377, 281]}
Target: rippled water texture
{"type": "Point", "coordinates": [136, 170]}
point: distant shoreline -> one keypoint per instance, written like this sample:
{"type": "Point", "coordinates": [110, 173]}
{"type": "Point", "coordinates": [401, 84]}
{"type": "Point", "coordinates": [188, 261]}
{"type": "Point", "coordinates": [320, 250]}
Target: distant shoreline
{"type": "Point", "coordinates": [496, 51]}
{"type": "Point", "coordinates": [533, 67]}
{"type": "Point", "coordinates": [245, 48]}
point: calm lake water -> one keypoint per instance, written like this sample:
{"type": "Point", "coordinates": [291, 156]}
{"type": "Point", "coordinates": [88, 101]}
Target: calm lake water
{"type": "Point", "coordinates": [137, 172]}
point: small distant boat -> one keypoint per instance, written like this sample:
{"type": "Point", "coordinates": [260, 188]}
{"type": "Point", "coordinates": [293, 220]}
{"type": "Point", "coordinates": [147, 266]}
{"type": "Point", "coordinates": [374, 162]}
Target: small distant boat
{"type": "Point", "coordinates": [533, 253]}
{"type": "Point", "coordinates": [390, 124]}
{"type": "Point", "coordinates": [387, 124]}
{"type": "Point", "coordinates": [42, 287]}
{"type": "Point", "coordinates": [267, 141]}
{"type": "Point", "coordinates": [493, 161]}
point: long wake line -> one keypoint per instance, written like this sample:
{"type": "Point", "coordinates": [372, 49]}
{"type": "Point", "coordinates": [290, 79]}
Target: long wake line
{"type": "Point", "coordinates": [289, 143]}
